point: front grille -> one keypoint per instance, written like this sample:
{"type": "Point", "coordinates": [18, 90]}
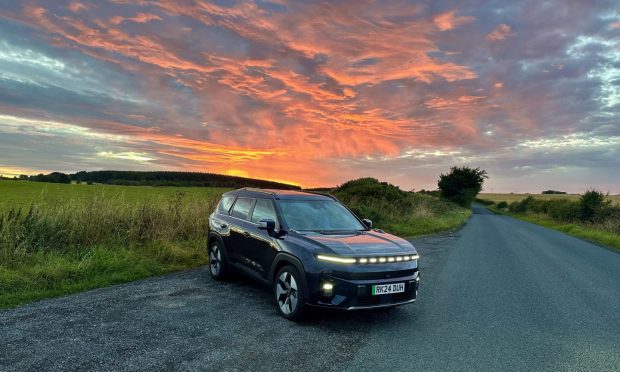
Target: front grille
{"type": "Point", "coordinates": [370, 300]}
{"type": "Point", "coordinates": [385, 299]}
{"type": "Point", "coordinates": [375, 275]}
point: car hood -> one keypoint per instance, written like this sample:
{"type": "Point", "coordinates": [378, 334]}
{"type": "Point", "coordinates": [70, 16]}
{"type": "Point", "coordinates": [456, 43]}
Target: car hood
{"type": "Point", "coordinates": [360, 243]}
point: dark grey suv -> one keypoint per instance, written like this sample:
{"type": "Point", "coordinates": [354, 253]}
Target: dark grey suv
{"type": "Point", "coordinates": [311, 250]}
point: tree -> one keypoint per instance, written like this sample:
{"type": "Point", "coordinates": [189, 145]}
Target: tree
{"type": "Point", "coordinates": [592, 203]}
{"type": "Point", "coordinates": [462, 184]}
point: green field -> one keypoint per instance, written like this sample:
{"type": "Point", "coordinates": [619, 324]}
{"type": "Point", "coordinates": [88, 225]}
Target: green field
{"type": "Point", "coordinates": [26, 193]}
{"type": "Point", "coordinates": [57, 239]}
{"type": "Point", "coordinates": [509, 198]}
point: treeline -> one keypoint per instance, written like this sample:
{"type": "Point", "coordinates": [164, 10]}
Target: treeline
{"type": "Point", "coordinates": [158, 178]}
{"type": "Point", "coordinates": [54, 177]}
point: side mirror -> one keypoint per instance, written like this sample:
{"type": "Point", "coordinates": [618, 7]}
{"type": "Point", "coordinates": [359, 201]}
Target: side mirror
{"type": "Point", "coordinates": [367, 222]}
{"type": "Point", "coordinates": [267, 224]}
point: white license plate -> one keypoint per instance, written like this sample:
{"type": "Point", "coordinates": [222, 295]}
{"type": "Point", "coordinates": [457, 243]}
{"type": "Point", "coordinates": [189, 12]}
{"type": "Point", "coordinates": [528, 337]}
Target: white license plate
{"type": "Point", "coordinates": [381, 289]}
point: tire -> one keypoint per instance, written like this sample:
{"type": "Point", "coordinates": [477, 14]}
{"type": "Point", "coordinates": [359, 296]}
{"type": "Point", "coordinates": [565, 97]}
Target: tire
{"type": "Point", "coordinates": [218, 261]}
{"type": "Point", "coordinates": [289, 293]}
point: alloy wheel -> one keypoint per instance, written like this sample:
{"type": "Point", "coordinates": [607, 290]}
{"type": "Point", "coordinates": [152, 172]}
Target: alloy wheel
{"type": "Point", "coordinates": [286, 292]}
{"type": "Point", "coordinates": [215, 260]}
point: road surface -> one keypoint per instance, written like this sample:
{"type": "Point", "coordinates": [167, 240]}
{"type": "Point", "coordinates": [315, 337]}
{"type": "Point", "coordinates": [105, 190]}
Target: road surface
{"type": "Point", "coordinates": [500, 294]}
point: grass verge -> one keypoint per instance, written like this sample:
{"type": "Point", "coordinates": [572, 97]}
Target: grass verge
{"type": "Point", "coordinates": [585, 232]}
{"type": "Point", "coordinates": [51, 274]}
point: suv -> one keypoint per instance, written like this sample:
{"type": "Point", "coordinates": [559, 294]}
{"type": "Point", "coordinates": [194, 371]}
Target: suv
{"type": "Point", "coordinates": [311, 250]}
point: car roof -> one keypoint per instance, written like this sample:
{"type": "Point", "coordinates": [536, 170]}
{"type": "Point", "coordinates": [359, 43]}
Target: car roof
{"type": "Point", "coordinates": [279, 194]}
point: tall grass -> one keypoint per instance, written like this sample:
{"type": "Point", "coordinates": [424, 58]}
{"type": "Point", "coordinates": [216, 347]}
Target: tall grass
{"type": "Point", "coordinates": [73, 225]}
{"type": "Point", "coordinates": [65, 245]}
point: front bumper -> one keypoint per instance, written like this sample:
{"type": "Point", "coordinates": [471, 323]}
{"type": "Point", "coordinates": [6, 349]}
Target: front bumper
{"type": "Point", "coordinates": [354, 292]}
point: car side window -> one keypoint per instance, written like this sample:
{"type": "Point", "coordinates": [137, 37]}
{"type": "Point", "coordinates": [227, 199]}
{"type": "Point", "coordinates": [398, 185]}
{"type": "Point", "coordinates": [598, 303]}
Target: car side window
{"type": "Point", "coordinates": [263, 210]}
{"type": "Point", "coordinates": [225, 204]}
{"type": "Point", "coordinates": [242, 207]}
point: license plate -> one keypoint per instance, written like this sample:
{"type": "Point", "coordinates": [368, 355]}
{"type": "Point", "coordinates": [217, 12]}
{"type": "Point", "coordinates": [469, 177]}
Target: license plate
{"type": "Point", "coordinates": [381, 289]}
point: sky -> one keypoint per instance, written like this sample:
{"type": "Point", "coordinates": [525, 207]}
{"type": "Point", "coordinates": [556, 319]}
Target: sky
{"type": "Point", "coordinates": [316, 93]}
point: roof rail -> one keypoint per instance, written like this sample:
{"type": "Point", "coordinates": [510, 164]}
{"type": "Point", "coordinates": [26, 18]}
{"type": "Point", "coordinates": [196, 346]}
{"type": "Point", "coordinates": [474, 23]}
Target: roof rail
{"type": "Point", "coordinates": [255, 189]}
{"type": "Point", "coordinates": [321, 193]}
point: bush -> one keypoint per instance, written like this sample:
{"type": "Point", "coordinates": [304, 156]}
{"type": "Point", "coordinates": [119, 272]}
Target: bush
{"type": "Point", "coordinates": [593, 204]}
{"type": "Point", "coordinates": [462, 185]}
{"type": "Point", "coordinates": [502, 205]}
{"type": "Point", "coordinates": [399, 212]}
{"type": "Point", "coordinates": [373, 189]}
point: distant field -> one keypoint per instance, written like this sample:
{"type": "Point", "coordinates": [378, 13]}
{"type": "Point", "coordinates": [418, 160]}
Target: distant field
{"type": "Point", "coordinates": [24, 193]}
{"type": "Point", "coordinates": [518, 197]}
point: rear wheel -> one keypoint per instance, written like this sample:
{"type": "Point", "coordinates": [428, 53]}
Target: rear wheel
{"type": "Point", "coordinates": [218, 261]}
{"type": "Point", "coordinates": [289, 293]}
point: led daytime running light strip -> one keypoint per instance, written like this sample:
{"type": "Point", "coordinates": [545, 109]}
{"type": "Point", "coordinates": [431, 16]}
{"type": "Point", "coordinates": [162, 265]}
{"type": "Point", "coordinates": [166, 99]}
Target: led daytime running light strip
{"type": "Point", "coordinates": [366, 260]}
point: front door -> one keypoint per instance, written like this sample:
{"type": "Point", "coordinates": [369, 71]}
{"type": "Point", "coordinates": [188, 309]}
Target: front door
{"type": "Point", "coordinates": [262, 249]}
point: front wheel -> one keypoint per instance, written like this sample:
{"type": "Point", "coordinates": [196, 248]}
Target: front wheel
{"type": "Point", "coordinates": [218, 261]}
{"type": "Point", "coordinates": [289, 293]}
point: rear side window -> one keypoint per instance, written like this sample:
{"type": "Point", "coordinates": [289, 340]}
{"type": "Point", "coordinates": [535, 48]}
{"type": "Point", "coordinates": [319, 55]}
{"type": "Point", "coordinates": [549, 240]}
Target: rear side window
{"type": "Point", "coordinates": [263, 211]}
{"type": "Point", "coordinates": [225, 204]}
{"type": "Point", "coordinates": [242, 207]}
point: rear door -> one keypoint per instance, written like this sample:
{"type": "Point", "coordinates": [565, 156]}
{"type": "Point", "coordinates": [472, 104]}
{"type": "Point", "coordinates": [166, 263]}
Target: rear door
{"type": "Point", "coordinates": [239, 228]}
{"type": "Point", "coordinates": [220, 222]}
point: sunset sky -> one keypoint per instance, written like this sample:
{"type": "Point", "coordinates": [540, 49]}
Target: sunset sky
{"type": "Point", "coordinates": [316, 93]}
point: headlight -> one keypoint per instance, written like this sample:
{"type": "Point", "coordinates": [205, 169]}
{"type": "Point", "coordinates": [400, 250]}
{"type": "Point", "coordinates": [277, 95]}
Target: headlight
{"type": "Point", "coordinates": [323, 257]}
{"type": "Point", "coordinates": [367, 260]}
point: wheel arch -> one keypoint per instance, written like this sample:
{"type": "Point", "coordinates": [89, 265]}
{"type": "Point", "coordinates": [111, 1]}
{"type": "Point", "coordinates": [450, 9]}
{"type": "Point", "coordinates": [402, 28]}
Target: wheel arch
{"type": "Point", "coordinates": [214, 237]}
{"type": "Point", "coordinates": [283, 259]}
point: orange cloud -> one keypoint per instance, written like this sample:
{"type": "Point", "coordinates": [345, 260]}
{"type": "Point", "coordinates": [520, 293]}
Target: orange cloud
{"type": "Point", "coordinates": [138, 18]}
{"type": "Point", "coordinates": [448, 20]}
{"type": "Point", "coordinates": [500, 33]}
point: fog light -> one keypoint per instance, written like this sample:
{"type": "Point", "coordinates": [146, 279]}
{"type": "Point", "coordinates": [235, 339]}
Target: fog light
{"type": "Point", "coordinates": [327, 289]}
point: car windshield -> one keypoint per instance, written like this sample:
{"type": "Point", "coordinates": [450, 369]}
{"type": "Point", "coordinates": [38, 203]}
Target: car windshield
{"type": "Point", "coordinates": [318, 215]}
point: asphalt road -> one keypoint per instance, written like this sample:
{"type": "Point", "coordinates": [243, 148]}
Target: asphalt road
{"type": "Point", "coordinates": [500, 294]}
